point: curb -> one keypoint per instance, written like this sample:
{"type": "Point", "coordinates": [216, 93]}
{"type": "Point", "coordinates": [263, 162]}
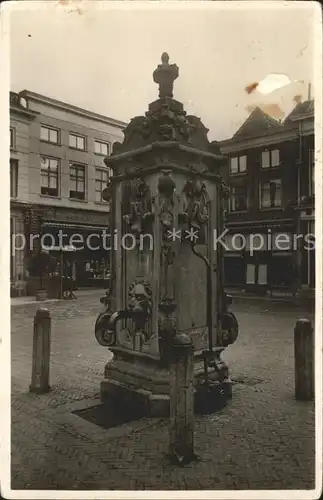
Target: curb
{"type": "Point", "coordinates": [287, 300]}
{"type": "Point", "coordinates": [28, 302]}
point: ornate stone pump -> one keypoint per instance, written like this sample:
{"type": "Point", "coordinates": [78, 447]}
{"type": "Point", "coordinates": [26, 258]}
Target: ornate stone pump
{"type": "Point", "coordinates": [167, 199]}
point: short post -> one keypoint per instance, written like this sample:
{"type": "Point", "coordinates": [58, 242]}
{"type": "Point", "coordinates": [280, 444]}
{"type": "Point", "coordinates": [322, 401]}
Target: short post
{"type": "Point", "coordinates": [41, 352]}
{"type": "Point", "coordinates": [181, 426]}
{"type": "Point", "coordinates": [304, 360]}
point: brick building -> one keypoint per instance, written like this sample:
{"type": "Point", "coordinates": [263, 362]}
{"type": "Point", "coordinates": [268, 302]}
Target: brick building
{"type": "Point", "coordinates": [57, 177]}
{"type": "Point", "coordinates": [270, 173]}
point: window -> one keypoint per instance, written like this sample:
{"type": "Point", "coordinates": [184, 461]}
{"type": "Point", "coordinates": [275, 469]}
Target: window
{"type": "Point", "coordinates": [77, 142]}
{"type": "Point", "coordinates": [13, 178]}
{"type": "Point", "coordinates": [101, 148]}
{"type": "Point", "coordinates": [238, 164]}
{"type": "Point", "coordinates": [49, 134]}
{"type": "Point", "coordinates": [101, 179]}
{"type": "Point", "coordinates": [12, 259]}
{"type": "Point", "coordinates": [238, 198]}
{"type": "Point", "coordinates": [311, 179]}
{"type": "Point", "coordinates": [49, 176]}
{"type": "Point", "coordinates": [270, 158]}
{"type": "Point", "coordinates": [77, 182]}
{"type": "Point", "coordinates": [12, 137]}
{"type": "Point", "coordinates": [270, 194]}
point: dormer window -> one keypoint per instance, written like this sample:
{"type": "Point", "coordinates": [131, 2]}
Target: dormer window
{"type": "Point", "coordinates": [238, 164]}
{"type": "Point", "coordinates": [270, 158]}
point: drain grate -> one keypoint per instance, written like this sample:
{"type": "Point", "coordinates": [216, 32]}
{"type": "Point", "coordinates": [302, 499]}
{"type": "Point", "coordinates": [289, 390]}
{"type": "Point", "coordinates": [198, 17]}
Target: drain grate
{"type": "Point", "coordinates": [249, 381]}
{"type": "Point", "coordinates": [108, 416]}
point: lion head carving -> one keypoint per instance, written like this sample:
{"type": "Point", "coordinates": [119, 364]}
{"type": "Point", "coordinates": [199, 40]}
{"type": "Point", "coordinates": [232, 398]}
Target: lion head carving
{"type": "Point", "coordinates": [140, 302]}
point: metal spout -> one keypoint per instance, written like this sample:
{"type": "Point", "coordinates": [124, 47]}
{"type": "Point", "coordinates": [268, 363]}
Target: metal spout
{"type": "Point", "coordinates": [117, 316]}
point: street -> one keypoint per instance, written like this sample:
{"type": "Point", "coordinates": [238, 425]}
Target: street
{"type": "Point", "coordinates": [263, 439]}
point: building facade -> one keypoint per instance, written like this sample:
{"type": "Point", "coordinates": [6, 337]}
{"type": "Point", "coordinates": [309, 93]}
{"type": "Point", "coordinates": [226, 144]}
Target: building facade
{"type": "Point", "coordinates": [63, 177]}
{"type": "Point", "coordinates": [270, 222]}
{"type": "Point", "coordinates": [20, 121]}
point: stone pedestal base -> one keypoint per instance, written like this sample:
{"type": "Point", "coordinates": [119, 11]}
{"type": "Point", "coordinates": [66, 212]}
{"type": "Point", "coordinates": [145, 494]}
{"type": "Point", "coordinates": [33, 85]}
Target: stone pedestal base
{"type": "Point", "coordinates": [139, 383]}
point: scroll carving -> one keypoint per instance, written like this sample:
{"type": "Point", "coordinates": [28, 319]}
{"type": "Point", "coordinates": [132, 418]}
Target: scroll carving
{"type": "Point", "coordinates": [196, 207]}
{"type": "Point", "coordinates": [166, 188]}
{"type": "Point", "coordinates": [137, 206]}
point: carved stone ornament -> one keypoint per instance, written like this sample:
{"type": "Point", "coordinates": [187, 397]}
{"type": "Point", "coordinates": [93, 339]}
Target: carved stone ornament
{"type": "Point", "coordinates": [225, 190]}
{"type": "Point", "coordinates": [104, 334]}
{"type": "Point", "coordinates": [166, 119]}
{"type": "Point", "coordinates": [166, 188]}
{"type": "Point", "coordinates": [137, 206]}
{"type": "Point", "coordinates": [107, 191]}
{"type": "Point", "coordinates": [140, 305]}
{"type": "Point", "coordinates": [196, 204]}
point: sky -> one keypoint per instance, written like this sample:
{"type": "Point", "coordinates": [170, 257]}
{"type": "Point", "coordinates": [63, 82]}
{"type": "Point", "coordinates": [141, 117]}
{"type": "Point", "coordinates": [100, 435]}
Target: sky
{"type": "Point", "coordinates": [101, 55]}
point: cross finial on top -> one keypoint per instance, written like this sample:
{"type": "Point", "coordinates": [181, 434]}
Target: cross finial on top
{"type": "Point", "coordinates": [165, 74]}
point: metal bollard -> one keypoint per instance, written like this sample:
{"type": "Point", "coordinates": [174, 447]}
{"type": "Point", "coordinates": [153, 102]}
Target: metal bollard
{"type": "Point", "coordinates": [181, 425]}
{"type": "Point", "coordinates": [304, 360]}
{"type": "Point", "coordinates": [41, 352]}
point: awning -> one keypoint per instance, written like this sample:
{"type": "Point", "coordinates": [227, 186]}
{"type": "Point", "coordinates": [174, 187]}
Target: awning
{"type": "Point", "coordinates": [67, 225]}
{"type": "Point", "coordinates": [63, 248]}
{"type": "Point", "coordinates": [72, 237]}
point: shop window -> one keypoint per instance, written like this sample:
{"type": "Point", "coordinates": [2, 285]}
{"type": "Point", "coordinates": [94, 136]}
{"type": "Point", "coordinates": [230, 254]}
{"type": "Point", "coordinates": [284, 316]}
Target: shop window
{"type": "Point", "coordinates": [270, 194]}
{"type": "Point", "coordinates": [256, 274]}
{"type": "Point", "coordinates": [49, 176]}
{"type": "Point", "coordinates": [281, 271]}
{"type": "Point", "coordinates": [77, 182]}
{"type": "Point", "coordinates": [234, 271]}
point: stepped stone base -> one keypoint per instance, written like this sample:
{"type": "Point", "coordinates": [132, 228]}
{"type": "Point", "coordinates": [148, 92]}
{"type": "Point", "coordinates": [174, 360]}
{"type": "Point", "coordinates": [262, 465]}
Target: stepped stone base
{"type": "Point", "coordinates": [142, 384]}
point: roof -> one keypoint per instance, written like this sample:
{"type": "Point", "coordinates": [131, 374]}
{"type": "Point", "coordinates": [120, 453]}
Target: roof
{"type": "Point", "coordinates": [301, 110]}
{"type": "Point", "coordinates": [69, 107]}
{"type": "Point", "coordinates": [256, 124]}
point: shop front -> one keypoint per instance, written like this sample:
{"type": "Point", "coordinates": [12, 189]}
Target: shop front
{"type": "Point", "coordinates": [234, 262]}
{"type": "Point", "coordinates": [89, 264]}
{"type": "Point", "coordinates": [260, 261]}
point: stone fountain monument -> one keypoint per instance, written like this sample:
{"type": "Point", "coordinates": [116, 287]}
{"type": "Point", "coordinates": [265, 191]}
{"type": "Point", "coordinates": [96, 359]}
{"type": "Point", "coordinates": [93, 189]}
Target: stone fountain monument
{"type": "Point", "coordinates": [167, 276]}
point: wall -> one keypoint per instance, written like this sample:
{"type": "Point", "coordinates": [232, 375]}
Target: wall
{"type": "Point", "coordinates": [287, 171]}
{"type": "Point", "coordinates": [67, 122]}
{"type": "Point", "coordinates": [20, 152]}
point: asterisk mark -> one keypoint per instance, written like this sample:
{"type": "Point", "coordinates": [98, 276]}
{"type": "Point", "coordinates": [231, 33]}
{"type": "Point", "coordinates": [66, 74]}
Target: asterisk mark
{"type": "Point", "coordinates": [191, 234]}
{"type": "Point", "coordinates": [174, 234]}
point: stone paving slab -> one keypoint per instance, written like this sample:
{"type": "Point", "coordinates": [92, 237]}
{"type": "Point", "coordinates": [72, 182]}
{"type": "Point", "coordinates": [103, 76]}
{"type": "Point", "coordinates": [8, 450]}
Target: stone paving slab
{"type": "Point", "coordinates": [263, 439]}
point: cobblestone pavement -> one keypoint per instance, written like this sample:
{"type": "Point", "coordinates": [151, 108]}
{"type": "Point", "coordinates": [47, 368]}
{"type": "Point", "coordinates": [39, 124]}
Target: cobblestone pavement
{"type": "Point", "coordinates": [263, 439]}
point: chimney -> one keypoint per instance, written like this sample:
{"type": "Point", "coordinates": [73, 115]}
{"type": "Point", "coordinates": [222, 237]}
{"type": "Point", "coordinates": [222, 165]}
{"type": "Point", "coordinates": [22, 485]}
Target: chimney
{"type": "Point", "coordinates": [309, 97]}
